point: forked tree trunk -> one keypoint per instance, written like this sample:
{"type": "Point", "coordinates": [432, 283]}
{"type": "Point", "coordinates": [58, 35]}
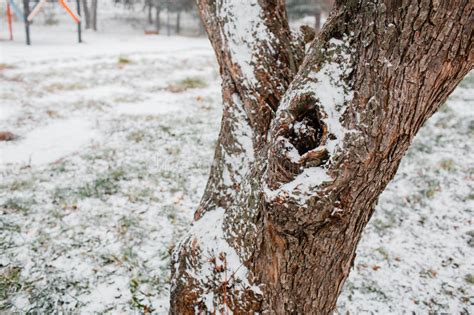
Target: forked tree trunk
{"type": "Point", "coordinates": [309, 140]}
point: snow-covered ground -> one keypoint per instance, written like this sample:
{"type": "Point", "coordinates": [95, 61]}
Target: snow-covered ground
{"type": "Point", "coordinates": [116, 137]}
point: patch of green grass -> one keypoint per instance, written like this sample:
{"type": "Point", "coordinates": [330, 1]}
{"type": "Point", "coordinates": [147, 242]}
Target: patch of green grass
{"type": "Point", "coordinates": [383, 225]}
{"type": "Point", "coordinates": [187, 83]}
{"type": "Point", "coordinates": [382, 251]}
{"type": "Point", "coordinates": [8, 226]}
{"type": "Point", "coordinates": [59, 168]}
{"type": "Point", "coordinates": [193, 83]}
{"type": "Point", "coordinates": [60, 195]}
{"type": "Point", "coordinates": [139, 194]}
{"type": "Point", "coordinates": [106, 155]}
{"type": "Point", "coordinates": [107, 184]}
{"type": "Point", "coordinates": [10, 284]}
{"type": "Point", "coordinates": [17, 185]}
{"type": "Point", "coordinates": [428, 273]}
{"type": "Point", "coordinates": [125, 223]}
{"type": "Point", "coordinates": [63, 86]}
{"type": "Point", "coordinates": [136, 136]}
{"type": "Point", "coordinates": [18, 204]}
{"type": "Point", "coordinates": [4, 66]}
{"type": "Point", "coordinates": [469, 278]}
{"type": "Point", "coordinates": [447, 165]}
{"type": "Point", "coordinates": [372, 287]}
{"type": "Point", "coordinates": [107, 259]}
{"type": "Point", "coordinates": [98, 105]}
{"type": "Point", "coordinates": [122, 60]}
{"type": "Point", "coordinates": [470, 241]}
{"type": "Point", "coordinates": [128, 255]}
{"type": "Point", "coordinates": [21, 185]}
{"type": "Point", "coordinates": [432, 189]}
{"type": "Point", "coordinates": [138, 300]}
{"type": "Point", "coordinates": [41, 241]}
{"type": "Point", "coordinates": [98, 188]}
{"type": "Point", "coordinates": [133, 98]}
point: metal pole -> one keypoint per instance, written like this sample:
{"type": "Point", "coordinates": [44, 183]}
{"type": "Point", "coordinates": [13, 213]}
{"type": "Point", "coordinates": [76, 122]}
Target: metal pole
{"type": "Point", "coordinates": [168, 26]}
{"type": "Point", "coordinates": [26, 12]}
{"type": "Point", "coordinates": [79, 28]}
{"type": "Point", "coordinates": [9, 17]}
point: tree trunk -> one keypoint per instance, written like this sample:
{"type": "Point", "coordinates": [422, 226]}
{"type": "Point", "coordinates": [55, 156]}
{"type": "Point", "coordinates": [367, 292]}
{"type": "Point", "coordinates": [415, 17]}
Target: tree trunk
{"type": "Point", "coordinates": [94, 14]}
{"type": "Point", "coordinates": [178, 22]}
{"type": "Point", "coordinates": [87, 14]}
{"type": "Point", "coordinates": [157, 19]}
{"type": "Point", "coordinates": [298, 168]}
{"type": "Point", "coordinates": [317, 20]}
{"type": "Point", "coordinates": [150, 15]}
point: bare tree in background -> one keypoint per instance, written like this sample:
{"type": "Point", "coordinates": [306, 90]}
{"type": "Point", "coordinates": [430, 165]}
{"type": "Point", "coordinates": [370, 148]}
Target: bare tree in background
{"type": "Point", "coordinates": [309, 140]}
{"type": "Point", "coordinates": [180, 6]}
{"type": "Point", "coordinates": [94, 14]}
{"type": "Point", "coordinates": [90, 14]}
{"type": "Point", "coordinates": [302, 8]}
{"type": "Point", "coordinates": [320, 7]}
{"type": "Point", "coordinates": [157, 6]}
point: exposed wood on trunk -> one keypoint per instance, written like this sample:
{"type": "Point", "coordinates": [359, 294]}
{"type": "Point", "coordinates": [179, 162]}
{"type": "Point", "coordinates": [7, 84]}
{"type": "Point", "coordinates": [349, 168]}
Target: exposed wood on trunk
{"type": "Point", "coordinates": [298, 168]}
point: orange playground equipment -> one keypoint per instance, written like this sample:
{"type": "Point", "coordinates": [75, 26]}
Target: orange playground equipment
{"type": "Point", "coordinates": [28, 14]}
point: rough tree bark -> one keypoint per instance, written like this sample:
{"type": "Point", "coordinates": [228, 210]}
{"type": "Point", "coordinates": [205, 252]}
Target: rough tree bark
{"type": "Point", "coordinates": [310, 138]}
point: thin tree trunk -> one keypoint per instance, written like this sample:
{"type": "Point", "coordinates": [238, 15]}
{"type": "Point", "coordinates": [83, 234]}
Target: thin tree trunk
{"type": "Point", "coordinates": [317, 18]}
{"type": "Point", "coordinates": [298, 168]}
{"type": "Point", "coordinates": [150, 15]}
{"type": "Point", "coordinates": [87, 14]}
{"type": "Point", "coordinates": [94, 14]}
{"type": "Point", "coordinates": [157, 18]}
{"type": "Point", "coordinates": [178, 22]}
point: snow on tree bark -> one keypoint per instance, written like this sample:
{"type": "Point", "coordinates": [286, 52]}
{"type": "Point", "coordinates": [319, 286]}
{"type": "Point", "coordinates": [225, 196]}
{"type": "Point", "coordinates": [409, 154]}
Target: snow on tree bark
{"type": "Point", "coordinates": [307, 145]}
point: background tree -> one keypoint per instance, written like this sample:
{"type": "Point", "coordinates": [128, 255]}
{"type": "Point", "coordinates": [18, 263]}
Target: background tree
{"type": "Point", "coordinates": [179, 6]}
{"type": "Point", "coordinates": [308, 143]}
{"type": "Point", "coordinates": [300, 8]}
{"type": "Point", "coordinates": [90, 14]}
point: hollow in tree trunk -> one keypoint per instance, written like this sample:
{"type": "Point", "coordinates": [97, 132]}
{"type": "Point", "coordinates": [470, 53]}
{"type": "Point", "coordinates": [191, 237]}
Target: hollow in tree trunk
{"type": "Point", "coordinates": [309, 140]}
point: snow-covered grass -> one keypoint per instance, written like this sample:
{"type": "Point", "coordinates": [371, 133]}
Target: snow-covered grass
{"type": "Point", "coordinates": [116, 138]}
{"type": "Point", "coordinates": [417, 254]}
{"type": "Point", "coordinates": [112, 158]}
